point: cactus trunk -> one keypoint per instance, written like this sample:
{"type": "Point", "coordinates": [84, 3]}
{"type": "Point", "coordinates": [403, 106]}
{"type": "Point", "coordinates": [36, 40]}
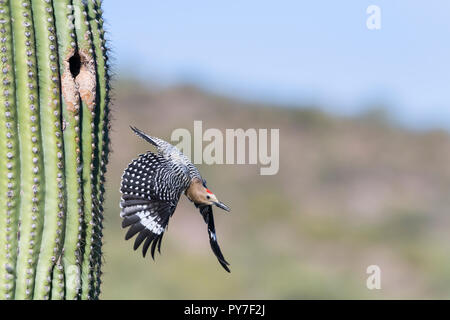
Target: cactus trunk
{"type": "Point", "coordinates": [54, 95]}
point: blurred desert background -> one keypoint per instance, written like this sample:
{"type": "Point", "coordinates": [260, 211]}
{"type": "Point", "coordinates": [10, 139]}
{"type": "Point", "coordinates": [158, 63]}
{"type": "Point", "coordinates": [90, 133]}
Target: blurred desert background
{"type": "Point", "coordinates": [350, 192]}
{"type": "Point", "coordinates": [364, 122]}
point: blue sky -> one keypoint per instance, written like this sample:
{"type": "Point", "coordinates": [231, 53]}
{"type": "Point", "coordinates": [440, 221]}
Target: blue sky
{"type": "Point", "coordinates": [294, 52]}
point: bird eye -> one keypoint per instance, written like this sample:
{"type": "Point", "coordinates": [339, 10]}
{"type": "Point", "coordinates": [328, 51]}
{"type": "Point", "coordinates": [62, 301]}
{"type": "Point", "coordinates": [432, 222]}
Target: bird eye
{"type": "Point", "coordinates": [208, 197]}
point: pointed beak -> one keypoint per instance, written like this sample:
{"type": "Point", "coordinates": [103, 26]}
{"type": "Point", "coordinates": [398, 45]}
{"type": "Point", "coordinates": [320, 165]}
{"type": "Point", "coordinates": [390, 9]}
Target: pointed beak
{"type": "Point", "coordinates": [222, 206]}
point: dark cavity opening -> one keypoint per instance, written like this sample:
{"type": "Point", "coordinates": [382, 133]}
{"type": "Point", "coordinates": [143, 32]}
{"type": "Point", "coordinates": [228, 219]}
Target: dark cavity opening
{"type": "Point", "coordinates": [75, 64]}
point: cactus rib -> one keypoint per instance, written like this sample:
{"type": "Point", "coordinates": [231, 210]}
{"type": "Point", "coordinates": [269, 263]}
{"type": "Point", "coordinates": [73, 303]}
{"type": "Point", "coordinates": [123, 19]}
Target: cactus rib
{"type": "Point", "coordinates": [9, 158]}
{"type": "Point", "coordinates": [102, 124]}
{"type": "Point", "coordinates": [31, 186]}
{"type": "Point", "coordinates": [58, 282]}
{"type": "Point", "coordinates": [86, 82]}
{"type": "Point", "coordinates": [49, 96]}
{"type": "Point", "coordinates": [71, 133]}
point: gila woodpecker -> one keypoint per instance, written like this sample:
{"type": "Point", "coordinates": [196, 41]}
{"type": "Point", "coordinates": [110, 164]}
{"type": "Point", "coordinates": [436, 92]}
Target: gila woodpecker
{"type": "Point", "coordinates": [151, 188]}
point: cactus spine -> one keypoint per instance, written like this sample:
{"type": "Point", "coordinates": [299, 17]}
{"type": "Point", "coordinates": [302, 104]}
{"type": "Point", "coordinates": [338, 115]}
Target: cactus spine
{"type": "Point", "coordinates": [54, 96]}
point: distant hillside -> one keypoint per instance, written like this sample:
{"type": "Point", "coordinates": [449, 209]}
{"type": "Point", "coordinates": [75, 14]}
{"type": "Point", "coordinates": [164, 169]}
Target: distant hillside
{"type": "Point", "coordinates": [349, 193]}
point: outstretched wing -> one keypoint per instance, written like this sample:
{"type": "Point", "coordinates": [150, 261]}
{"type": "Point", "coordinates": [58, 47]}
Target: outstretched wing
{"type": "Point", "coordinates": [163, 146]}
{"type": "Point", "coordinates": [151, 188]}
{"type": "Point", "coordinates": [207, 214]}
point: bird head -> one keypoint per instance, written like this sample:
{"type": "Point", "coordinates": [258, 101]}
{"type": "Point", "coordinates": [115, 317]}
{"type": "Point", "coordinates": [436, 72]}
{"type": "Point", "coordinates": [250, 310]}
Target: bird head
{"type": "Point", "coordinates": [211, 199]}
{"type": "Point", "coordinates": [201, 195]}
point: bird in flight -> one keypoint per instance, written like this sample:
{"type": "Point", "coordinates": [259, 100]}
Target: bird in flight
{"type": "Point", "coordinates": [151, 188]}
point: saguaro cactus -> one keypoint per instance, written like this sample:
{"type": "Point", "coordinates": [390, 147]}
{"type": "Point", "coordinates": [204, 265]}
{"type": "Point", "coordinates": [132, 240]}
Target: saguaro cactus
{"type": "Point", "coordinates": [53, 148]}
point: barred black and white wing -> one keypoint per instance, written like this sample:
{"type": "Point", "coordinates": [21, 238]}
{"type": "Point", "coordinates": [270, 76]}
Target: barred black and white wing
{"type": "Point", "coordinates": [151, 187]}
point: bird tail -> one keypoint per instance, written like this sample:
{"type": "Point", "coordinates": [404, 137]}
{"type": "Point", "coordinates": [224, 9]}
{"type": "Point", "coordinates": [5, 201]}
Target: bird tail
{"type": "Point", "coordinates": [207, 214]}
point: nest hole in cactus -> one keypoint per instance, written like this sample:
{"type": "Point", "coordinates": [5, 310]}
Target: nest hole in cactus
{"type": "Point", "coordinates": [75, 64]}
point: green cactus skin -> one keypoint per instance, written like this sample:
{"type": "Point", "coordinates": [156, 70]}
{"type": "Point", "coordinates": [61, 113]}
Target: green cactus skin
{"type": "Point", "coordinates": [31, 173]}
{"type": "Point", "coordinates": [50, 101]}
{"type": "Point", "coordinates": [9, 158]}
{"type": "Point", "coordinates": [58, 282]}
{"type": "Point", "coordinates": [86, 81]}
{"type": "Point", "coordinates": [54, 97]}
{"type": "Point", "coordinates": [71, 132]}
{"type": "Point", "coordinates": [102, 122]}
